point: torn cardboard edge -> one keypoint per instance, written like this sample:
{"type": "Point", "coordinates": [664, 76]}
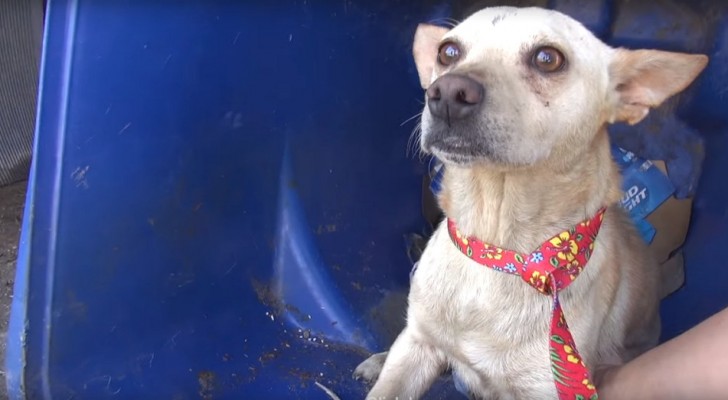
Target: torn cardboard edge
{"type": "Point", "coordinates": [671, 221]}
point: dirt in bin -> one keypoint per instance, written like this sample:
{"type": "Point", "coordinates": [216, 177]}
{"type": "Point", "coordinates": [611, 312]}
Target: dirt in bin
{"type": "Point", "coordinates": [326, 370]}
{"type": "Point", "coordinates": [305, 346]}
{"type": "Point", "coordinates": [308, 357]}
{"type": "Point", "coordinates": [269, 299]}
{"type": "Point", "coordinates": [12, 199]}
{"type": "Point", "coordinates": [206, 380]}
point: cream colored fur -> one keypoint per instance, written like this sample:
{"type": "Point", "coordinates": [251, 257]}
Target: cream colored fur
{"type": "Point", "coordinates": [553, 170]}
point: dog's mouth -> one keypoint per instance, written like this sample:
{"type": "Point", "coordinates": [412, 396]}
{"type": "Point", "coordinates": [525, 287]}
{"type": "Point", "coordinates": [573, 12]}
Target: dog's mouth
{"type": "Point", "coordinates": [451, 148]}
{"type": "Point", "coordinates": [461, 155]}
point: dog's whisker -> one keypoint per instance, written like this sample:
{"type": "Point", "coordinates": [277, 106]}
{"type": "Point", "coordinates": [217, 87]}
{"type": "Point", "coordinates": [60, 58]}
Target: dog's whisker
{"type": "Point", "coordinates": [421, 155]}
{"type": "Point", "coordinates": [410, 141]}
{"type": "Point", "coordinates": [413, 144]}
{"type": "Point", "coordinates": [411, 118]}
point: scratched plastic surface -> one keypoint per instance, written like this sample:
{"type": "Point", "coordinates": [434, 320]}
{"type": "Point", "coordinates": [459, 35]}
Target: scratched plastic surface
{"type": "Point", "coordinates": [220, 191]}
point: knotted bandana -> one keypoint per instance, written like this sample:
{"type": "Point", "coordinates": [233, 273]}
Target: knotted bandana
{"type": "Point", "coordinates": [549, 269]}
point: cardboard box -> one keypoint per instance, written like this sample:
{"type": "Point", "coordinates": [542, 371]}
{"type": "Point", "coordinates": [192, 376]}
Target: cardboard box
{"type": "Point", "coordinates": [671, 221]}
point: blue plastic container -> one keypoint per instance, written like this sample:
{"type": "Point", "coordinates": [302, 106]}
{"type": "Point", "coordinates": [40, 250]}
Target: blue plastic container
{"type": "Point", "coordinates": [220, 191]}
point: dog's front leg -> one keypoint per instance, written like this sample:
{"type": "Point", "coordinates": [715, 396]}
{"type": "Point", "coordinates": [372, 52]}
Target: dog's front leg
{"type": "Point", "coordinates": [409, 370]}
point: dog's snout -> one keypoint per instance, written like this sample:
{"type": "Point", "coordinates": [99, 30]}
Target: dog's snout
{"type": "Point", "coordinates": [453, 97]}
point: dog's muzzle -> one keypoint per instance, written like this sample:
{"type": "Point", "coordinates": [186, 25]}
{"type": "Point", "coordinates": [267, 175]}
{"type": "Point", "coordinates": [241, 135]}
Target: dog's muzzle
{"type": "Point", "coordinates": [454, 97]}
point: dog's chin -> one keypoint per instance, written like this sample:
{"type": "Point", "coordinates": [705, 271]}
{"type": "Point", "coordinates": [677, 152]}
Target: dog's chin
{"type": "Point", "coordinates": [465, 146]}
{"type": "Point", "coordinates": [461, 144]}
{"type": "Point", "coordinates": [456, 158]}
{"type": "Point", "coordinates": [459, 152]}
{"type": "Point", "coordinates": [467, 158]}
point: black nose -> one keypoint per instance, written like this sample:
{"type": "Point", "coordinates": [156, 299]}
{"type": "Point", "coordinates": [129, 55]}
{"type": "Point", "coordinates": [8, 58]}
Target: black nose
{"type": "Point", "coordinates": [452, 97]}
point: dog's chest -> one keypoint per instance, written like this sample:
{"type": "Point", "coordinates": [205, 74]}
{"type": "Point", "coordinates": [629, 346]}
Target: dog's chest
{"type": "Point", "coordinates": [460, 298]}
{"type": "Point", "coordinates": [488, 321]}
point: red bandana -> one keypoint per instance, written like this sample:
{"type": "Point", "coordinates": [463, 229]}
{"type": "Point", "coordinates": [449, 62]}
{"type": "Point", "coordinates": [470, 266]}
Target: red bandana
{"type": "Point", "coordinates": [549, 269]}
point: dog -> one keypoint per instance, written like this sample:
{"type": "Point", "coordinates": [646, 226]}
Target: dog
{"type": "Point", "coordinates": [517, 105]}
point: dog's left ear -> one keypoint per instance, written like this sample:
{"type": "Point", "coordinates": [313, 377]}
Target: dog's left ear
{"type": "Point", "coordinates": [424, 49]}
{"type": "Point", "coordinates": [644, 79]}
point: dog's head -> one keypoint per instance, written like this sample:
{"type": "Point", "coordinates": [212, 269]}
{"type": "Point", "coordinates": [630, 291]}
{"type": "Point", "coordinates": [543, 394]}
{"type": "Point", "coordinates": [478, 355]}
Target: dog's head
{"type": "Point", "coordinates": [513, 87]}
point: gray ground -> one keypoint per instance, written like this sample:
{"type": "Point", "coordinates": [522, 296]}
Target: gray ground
{"type": "Point", "coordinates": [12, 199]}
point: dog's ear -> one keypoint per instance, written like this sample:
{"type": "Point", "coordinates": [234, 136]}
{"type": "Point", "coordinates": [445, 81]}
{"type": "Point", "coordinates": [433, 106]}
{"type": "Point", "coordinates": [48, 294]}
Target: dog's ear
{"type": "Point", "coordinates": [643, 79]}
{"type": "Point", "coordinates": [424, 49]}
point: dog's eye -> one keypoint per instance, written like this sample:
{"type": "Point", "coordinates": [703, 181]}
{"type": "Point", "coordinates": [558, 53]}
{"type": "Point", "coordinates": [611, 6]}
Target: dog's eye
{"type": "Point", "coordinates": [448, 54]}
{"type": "Point", "coordinates": [548, 59]}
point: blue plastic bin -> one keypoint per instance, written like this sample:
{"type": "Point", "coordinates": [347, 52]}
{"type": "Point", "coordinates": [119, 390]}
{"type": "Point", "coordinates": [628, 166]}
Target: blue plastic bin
{"type": "Point", "coordinates": [220, 191]}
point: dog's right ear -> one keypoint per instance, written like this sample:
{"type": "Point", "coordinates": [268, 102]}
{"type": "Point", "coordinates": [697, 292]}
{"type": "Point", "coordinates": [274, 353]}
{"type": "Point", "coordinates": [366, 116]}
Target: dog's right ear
{"type": "Point", "coordinates": [424, 49]}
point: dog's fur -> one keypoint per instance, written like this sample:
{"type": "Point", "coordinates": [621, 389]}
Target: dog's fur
{"type": "Point", "coordinates": [533, 161]}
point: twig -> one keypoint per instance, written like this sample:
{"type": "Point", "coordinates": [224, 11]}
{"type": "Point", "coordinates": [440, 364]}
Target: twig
{"type": "Point", "coordinates": [328, 391]}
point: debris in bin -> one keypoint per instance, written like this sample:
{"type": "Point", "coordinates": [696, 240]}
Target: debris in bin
{"type": "Point", "coordinates": [270, 315]}
{"type": "Point", "coordinates": [206, 380]}
{"type": "Point", "coordinates": [328, 391]}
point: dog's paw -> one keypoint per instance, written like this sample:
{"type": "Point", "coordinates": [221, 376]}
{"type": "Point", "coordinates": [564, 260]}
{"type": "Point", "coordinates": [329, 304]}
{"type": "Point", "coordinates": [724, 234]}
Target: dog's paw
{"type": "Point", "coordinates": [371, 367]}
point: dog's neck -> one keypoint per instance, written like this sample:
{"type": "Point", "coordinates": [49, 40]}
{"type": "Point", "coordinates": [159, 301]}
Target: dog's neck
{"type": "Point", "coordinates": [519, 209]}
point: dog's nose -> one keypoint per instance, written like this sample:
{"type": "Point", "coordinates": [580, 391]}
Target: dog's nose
{"type": "Point", "coordinates": [453, 97]}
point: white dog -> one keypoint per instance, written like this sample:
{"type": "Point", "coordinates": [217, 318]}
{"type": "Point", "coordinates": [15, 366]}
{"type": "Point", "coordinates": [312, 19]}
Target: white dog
{"type": "Point", "coordinates": [518, 101]}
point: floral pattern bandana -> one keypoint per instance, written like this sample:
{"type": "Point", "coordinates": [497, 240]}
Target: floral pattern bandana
{"type": "Point", "coordinates": [549, 269]}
